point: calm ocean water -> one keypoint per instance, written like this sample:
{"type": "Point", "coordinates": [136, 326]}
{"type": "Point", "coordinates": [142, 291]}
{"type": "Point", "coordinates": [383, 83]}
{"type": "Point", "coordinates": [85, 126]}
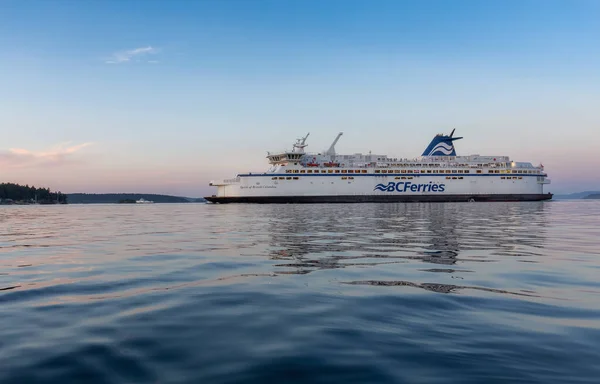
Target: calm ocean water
{"type": "Point", "coordinates": [365, 293]}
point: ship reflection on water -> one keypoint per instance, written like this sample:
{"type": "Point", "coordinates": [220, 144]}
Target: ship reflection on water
{"type": "Point", "coordinates": [396, 238]}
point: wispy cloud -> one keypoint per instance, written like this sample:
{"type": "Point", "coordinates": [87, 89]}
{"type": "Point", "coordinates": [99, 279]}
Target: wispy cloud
{"type": "Point", "coordinates": [57, 155]}
{"type": "Point", "coordinates": [126, 56]}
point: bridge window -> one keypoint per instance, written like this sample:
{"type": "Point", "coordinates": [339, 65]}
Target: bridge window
{"type": "Point", "coordinates": [479, 171]}
{"type": "Point", "coordinates": [364, 171]}
{"type": "Point", "coordinates": [273, 178]}
{"type": "Point", "coordinates": [282, 178]}
{"type": "Point", "coordinates": [302, 171]}
{"type": "Point", "coordinates": [350, 171]}
{"type": "Point", "coordinates": [448, 171]}
{"type": "Point", "coordinates": [376, 171]}
{"type": "Point", "coordinates": [309, 171]}
{"type": "Point", "coordinates": [288, 178]}
{"type": "Point", "coordinates": [295, 177]}
{"type": "Point", "coordinates": [337, 171]}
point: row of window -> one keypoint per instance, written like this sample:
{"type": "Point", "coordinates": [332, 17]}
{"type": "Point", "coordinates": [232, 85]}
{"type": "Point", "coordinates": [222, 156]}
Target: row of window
{"type": "Point", "coordinates": [434, 171]}
{"type": "Point", "coordinates": [296, 178]}
{"type": "Point", "coordinates": [326, 171]}
{"type": "Point", "coordinates": [424, 171]}
{"type": "Point", "coordinates": [513, 171]}
{"type": "Point", "coordinates": [398, 178]}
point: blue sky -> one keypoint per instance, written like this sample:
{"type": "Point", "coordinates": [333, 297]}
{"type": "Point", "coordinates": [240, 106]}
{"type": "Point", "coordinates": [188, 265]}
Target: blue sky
{"type": "Point", "coordinates": [162, 96]}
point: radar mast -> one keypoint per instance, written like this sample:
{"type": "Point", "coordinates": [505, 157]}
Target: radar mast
{"type": "Point", "coordinates": [300, 144]}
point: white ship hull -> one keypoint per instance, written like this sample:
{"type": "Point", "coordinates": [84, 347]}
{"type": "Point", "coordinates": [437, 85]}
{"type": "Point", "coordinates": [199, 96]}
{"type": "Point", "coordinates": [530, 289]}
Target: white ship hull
{"type": "Point", "coordinates": [371, 187]}
{"type": "Point", "coordinates": [439, 175]}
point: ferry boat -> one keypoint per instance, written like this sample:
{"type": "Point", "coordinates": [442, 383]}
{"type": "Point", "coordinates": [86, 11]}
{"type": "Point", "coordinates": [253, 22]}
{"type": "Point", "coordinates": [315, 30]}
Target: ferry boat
{"type": "Point", "coordinates": [438, 175]}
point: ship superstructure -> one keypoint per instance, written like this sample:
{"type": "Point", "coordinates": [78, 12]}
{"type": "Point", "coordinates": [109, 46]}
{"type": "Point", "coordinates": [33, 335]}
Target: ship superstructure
{"type": "Point", "coordinates": [296, 176]}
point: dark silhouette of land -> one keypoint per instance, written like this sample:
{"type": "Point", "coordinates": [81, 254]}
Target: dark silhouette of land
{"type": "Point", "coordinates": [578, 195]}
{"type": "Point", "coordinates": [111, 198]}
{"type": "Point", "coordinates": [11, 193]}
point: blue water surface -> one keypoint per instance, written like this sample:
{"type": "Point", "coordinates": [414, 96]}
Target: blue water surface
{"type": "Point", "coordinates": [360, 293]}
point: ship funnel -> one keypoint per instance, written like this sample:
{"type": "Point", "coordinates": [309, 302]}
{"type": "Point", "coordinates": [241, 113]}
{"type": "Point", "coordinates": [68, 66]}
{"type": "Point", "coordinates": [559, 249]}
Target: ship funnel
{"type": "Point", "coordinates": [441, 145]}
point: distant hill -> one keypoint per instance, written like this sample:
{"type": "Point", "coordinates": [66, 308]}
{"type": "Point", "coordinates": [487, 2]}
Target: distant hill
{"type": "Point", "coordinates": [110, 198]}
{"type": "Point", "coordinates": [196, 199]}
{"type": "Point", "coordinates": [578, 195]}
{"type": "Point", "coordinates": [593, 196]}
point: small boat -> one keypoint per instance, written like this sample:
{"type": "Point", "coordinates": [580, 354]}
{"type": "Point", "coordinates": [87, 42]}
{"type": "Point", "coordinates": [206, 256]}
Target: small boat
{"type": "Point", "coordinates": [144, 201]}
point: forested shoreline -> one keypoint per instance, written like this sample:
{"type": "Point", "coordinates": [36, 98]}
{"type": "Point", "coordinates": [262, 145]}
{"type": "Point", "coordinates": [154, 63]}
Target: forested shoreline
{"type": "Point", "coordinates": [11, 193]}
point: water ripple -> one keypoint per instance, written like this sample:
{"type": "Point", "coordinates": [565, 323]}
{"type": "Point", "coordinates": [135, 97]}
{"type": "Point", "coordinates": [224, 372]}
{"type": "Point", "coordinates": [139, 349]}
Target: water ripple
{"type": "Point", "coordinates": [386, 293]}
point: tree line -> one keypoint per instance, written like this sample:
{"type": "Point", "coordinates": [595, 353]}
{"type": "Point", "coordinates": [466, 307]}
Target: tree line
{"type": "Point", "coordinates": [25, 193]}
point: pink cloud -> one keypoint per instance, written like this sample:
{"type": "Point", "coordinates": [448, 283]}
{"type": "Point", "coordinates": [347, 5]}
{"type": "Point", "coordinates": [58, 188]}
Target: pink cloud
{"type": "Point", "coordinates": [23, 158]}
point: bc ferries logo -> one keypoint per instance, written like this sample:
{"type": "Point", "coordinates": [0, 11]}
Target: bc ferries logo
{"type": "Point", "coordinates": [442, 149]}
{"type": "Point", "coordinates": [442, 145]}
{"type": "Point", "coordinates": [410, 187]}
